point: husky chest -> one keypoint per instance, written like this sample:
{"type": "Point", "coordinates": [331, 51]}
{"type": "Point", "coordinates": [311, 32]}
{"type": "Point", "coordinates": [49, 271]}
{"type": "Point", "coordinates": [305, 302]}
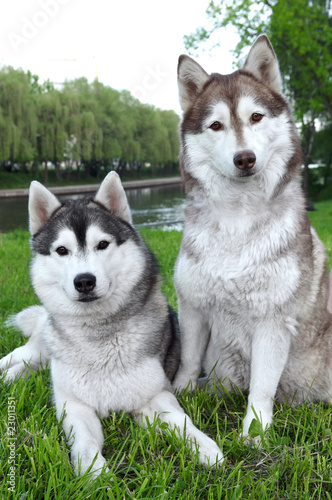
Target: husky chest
{"type": "Point", "coordinates": [239, 263]}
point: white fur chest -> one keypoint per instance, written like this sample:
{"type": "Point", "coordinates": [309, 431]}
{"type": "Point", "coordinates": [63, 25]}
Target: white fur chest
{"type": "Point", "coordinates": [237, 265]}
{"type": "Point", "coordinates": [108, 389]}
{"type": "Point", "coordinates": [109, 375]}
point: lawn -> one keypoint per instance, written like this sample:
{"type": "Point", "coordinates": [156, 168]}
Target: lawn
{"type": "Point", "coordinates": [294, 463]}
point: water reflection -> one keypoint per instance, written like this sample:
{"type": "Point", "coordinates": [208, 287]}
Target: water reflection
{"type": "Point", "coordinates": [13, 214]}
{"type": "Point", "coordinates": [157, 205]}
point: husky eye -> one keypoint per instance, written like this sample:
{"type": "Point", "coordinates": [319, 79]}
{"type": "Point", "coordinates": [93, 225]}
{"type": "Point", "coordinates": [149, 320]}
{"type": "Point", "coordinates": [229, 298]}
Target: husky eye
{"type": "Point", "coordinates": [102, 245]}
{"type": "Point", "coordinates": [256, 117]}
{"type": "Point", "coordinates": [216, 126]}
{"type": "Point", "coordinates": [62, 251]}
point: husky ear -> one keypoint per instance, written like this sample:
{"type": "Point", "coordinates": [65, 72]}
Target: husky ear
{"type": "Point", "coordinates": [263, 64]}
{"type": "Point", "coordinates": [42, 204]}
{"type": "Point", "coordinates": [112, 195]}
{"type": "Point", "coordinates": [191, 80]}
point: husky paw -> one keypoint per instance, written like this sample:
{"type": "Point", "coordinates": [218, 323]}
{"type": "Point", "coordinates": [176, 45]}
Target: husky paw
{"type": "Point", "coordinates": [94, 468]}
{"type": "Point", "coordinates": [209, 453]}
{"type": "Point", "coordinates": [13, 364]}
{"type": "Point", "coordinates": [32, 322]}
{"type": "Point", "coordinates": [19, 361]}
{"type": "Point", "coordinates": [14, 372]}
{"type": "Point", "coordinates": [210, 456]}
{"type": "Point", "coordinates": [254, 426]}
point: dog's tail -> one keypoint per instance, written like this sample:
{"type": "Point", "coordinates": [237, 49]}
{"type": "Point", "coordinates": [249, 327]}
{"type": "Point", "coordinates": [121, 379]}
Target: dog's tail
{"type": "Point", "coordinates": [33, 355]}
{"type": "Point", "coordinates": [29, 321]}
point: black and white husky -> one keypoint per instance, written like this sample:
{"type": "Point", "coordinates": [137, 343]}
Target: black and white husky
{"type": "Point", "coordinates": [251, 275]}
{"type": "Point", "coordinates": [105, 326]}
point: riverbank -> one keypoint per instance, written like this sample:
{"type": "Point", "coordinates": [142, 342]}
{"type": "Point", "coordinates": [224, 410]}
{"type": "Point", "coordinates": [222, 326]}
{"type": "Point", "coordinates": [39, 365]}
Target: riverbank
{"type": "Point", "coordinates": [92, 188]}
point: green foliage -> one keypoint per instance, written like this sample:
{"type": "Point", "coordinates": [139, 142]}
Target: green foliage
{"type": "Point", "coordinates": [18, 121]}
{"type": "Point", "coordinates": [83, 124]}
{"type": "Point", "coordinates": [301, 32]}
{"type": "Point", "coordinates": [15, 287]}
{"type": "Point", "coordinates": [321, 219]}
{"type": "Point", "coordinates": [322, 148]}
{"type": "Point", "coordinates": [294, 463]}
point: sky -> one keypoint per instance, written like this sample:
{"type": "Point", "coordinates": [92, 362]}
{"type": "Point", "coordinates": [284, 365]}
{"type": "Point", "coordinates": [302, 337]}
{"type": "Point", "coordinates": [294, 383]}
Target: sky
{"type": "Point", "coordinates": [127, 44]}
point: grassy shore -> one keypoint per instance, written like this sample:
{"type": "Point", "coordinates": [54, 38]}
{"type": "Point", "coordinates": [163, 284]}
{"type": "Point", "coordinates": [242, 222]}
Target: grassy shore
{"type": "Point", "coordinates": [294, 463]}
{"type": "Point", "coordinates": [22, 179]}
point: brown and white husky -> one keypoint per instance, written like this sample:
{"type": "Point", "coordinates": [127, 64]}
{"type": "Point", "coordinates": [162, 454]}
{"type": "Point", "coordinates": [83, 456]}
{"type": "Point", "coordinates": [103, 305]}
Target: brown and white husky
{"type": "Point", "coordinates": [251, 274]}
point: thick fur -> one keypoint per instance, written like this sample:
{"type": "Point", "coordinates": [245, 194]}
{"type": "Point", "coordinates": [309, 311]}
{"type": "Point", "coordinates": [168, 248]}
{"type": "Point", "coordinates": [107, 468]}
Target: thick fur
{"type": "Point", "coordinates": [251, 274]}
{"type": "Point", "coordinates": [105, 326]}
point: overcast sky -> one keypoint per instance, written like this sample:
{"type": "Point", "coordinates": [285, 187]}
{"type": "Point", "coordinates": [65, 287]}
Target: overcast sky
{"type": "Point", "coordinates": [128, 44]}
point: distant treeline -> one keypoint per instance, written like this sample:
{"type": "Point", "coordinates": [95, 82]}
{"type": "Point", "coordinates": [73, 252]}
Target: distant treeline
{"type": "Point", "coordinates": [83, 126]}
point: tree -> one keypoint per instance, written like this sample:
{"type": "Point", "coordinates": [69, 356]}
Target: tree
{"type": "Point", "coordinates": [110, 117]}
{"type": "Point", "coordinates": [52, 136]}
{"type": "Point", "coordinates": [170, 121]}
{"type": "Point", "coordinates": [322, 147]}
{"type": "Point", "coordinates": [18, 122]}
{"type": "Point", "coordinates": [83, 124]}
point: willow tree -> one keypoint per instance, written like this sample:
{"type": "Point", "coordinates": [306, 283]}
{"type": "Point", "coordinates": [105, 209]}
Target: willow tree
{"type": "Point", "coordinates": [90, 124]}
{"type": "Point", "coordinates": [72, 151]}
{"type": "Point", "coordinates": [18, 121]}
{"type": "Point", "coordinates": [170, 123]}
{"type": "Point", "coordinates": [52, 135]}
{"type": "Point", "coordinates": [112, 118]}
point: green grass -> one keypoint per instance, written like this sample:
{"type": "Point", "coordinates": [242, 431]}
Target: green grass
{"type": "Point", "coordinates": [294, 463]}
{"type": "Point", "coordinates": [321, 219]}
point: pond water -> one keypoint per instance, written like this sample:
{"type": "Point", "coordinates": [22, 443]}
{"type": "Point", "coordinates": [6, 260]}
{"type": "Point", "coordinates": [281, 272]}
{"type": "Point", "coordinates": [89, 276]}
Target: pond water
{"type": "Point", "coordinates": [162, 205]}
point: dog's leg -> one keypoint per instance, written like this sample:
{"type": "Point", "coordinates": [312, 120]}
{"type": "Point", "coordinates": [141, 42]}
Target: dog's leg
{"type": "Point", "coordinates": [167, 408]}
{"type": "Point", "coordinates": [83, 432]}
{"type": "Point", "coordinates": [32, 322]}
{"type": "Point", "coordinates": [270, 348]}
{"type": "Point", "coordinates": [194, 338]}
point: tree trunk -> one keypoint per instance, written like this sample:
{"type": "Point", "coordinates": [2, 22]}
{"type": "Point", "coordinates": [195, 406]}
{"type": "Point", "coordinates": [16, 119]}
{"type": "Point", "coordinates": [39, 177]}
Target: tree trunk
{"type": "Point", "coordinates": [45, 172]}
{"type": "Point", "coordinates": [308, 133]}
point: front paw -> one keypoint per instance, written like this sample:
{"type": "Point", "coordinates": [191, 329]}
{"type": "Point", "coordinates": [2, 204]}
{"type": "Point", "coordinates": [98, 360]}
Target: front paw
{"type": "Point", "coordinates": [94, 467]}
{"type": "Point", "coordinates": [6, 362]}
{"type": "Point", "coordinates": [13, 366]}
{"type": "Point", "coordinates": [15, 372]}
{"type": "Point", "coordinates": [210, 455]}
{"type": "Point", "coordinates": [15, 363]}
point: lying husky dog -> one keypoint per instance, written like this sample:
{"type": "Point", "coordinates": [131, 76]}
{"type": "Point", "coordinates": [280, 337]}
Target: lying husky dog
{"type": "Point", "coordinates": [251, 274]}
{"type": "Point", "coordinates": [105, 326]}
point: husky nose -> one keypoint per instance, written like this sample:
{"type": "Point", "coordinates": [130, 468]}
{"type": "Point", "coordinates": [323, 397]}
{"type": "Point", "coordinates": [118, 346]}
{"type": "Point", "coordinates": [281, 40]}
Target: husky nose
{"type": "Point", "coordinates": [244, 160]}
{"type": "Point", "coordinates": [85, 282]}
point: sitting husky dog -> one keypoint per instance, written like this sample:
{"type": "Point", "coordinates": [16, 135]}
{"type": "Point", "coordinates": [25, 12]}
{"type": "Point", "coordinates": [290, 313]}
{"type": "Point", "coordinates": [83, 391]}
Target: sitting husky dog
{"type": "Point", "coordinates": [105, 326]}
{"type": "Point", "coordinates": [251, 275]}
